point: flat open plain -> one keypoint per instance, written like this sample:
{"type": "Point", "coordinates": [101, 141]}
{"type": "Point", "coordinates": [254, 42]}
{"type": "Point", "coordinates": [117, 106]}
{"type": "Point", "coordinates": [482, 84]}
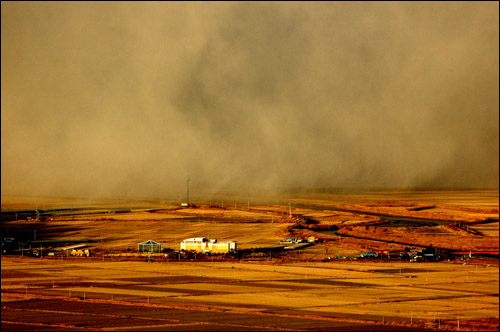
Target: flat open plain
{"type": "Point", "coordinates": [116, 289]}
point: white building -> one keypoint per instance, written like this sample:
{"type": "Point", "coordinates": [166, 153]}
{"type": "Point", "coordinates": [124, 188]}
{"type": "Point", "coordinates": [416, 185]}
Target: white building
{"type": "Point", "coordinates": [201, 244]}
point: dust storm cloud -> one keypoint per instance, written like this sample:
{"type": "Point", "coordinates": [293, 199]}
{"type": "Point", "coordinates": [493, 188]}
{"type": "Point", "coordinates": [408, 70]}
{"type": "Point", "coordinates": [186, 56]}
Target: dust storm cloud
{"type": "Point", "coordinates": [130, 99]}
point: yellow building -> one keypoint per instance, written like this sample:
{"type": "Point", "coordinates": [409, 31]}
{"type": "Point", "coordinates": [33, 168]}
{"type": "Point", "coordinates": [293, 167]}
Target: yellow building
{"type": "Point", "coordinates": [203, 245]}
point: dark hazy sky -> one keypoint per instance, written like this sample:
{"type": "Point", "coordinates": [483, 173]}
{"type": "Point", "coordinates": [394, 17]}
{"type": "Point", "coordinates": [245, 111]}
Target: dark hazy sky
{"type": "Point", "coordinates": [132, 98]}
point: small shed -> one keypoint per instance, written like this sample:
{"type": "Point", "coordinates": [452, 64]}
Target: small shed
{"type": "Point", "coordinates": [149, 246]}
{"type": "Point", "coordinates": [312, 239]}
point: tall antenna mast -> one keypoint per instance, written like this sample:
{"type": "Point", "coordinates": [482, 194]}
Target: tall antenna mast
{"type": "Point", "coordinates": [187, 192]}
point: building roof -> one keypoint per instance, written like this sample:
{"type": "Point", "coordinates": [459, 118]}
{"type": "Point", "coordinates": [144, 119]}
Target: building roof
{"type": "Point", "coordinates": [149, 242]}
{"type": "Point", "coordinates": [196, 239]}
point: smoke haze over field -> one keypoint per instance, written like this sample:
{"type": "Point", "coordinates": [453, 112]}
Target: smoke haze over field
{"type": "Point", "coordinates": [132, 98]}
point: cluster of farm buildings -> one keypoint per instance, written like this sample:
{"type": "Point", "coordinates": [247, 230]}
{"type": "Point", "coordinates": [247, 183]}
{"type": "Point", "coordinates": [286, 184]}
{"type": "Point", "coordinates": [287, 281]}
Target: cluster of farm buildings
{"type": "Point", "coordinates": [196, 244]}
{"type": "Point", "coordinates": [202, 245]}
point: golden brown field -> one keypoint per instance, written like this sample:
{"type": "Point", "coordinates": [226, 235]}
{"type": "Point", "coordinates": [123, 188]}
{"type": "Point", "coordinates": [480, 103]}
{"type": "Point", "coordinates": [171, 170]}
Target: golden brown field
{"type": "Point", "coordinates": [117, 289]}
{"type": "Point", "coordinates": [311, 296]}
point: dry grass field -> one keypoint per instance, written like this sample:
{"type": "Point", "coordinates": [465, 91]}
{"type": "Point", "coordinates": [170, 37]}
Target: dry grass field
{"type": "Point", "coordinates": [41, 293]}
{"type": "Point", "coordinates": [118, 289]}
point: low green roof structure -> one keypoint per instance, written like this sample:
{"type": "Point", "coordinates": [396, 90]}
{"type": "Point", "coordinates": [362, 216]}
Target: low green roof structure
{"type": "Point", "coordinates": [149, 246]}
